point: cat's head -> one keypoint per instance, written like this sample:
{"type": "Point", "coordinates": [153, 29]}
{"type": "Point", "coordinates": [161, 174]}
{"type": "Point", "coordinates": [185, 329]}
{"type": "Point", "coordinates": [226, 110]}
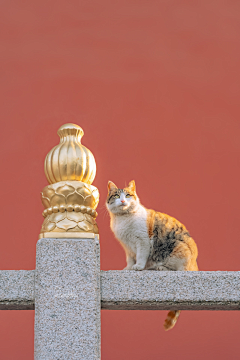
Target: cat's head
{"type": "Point", "coordinates": [122, 201]}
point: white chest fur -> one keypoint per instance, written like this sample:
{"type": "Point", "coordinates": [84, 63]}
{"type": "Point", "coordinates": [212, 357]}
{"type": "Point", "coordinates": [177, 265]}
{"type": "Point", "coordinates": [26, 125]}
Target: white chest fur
{"type": "Point", "coordinates": [131, 229]}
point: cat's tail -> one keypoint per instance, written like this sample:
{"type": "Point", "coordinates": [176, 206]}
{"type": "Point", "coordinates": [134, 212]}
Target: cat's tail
{"type": "Point", "coordinates": [171, 319]}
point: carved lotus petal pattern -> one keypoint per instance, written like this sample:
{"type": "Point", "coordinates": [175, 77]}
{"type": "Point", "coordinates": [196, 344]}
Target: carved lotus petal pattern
{"type": "Point", "coordinates": [89, 201]}
{"type": "Point", "coordinates": [45, 201]}
{"type": "Point", "coordinates": [75, 198]}
{"type": "Point", "coordinates": [45, 222]}
{"type": "Point", "coordinates": [70, 193]}
{"type": "Point", "coordinates": [89, 219]}
{"type": "Point", "coordinates": [66, 224]}
{"type": "Point", "coordinates": [65, 190]}
{"type": "Point", "coordinates": [84, 191]}
{"type": "Point", "coordinates": [95, 194]}
{"type": "Point", "coordinates": [58, 200]}
{"type": "Point", "coordinates": [85, 226]}
{"type": "Point", "coordinates": [57, 197]}
{"type": "Point", "coordinates": [76, 229]}
{"type": "Point", "coordinates": [50, 192]}
{"type": "Point", "coordinates": [58, 217]}
{"type": "Point", "coordinates": [50, 226]}
{"type": "Point", "coordinates": [75, 216]}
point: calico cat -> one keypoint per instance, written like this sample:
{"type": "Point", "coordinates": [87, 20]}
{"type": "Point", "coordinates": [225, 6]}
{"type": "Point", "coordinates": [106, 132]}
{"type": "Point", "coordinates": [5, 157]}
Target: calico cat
{"type": "Point", "coordinates": [151, 240]}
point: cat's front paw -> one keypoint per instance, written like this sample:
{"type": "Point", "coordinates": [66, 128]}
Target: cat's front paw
{"type": "Point", "coordinates": [137, 267]}
{"type": "Point", "coordinates": [128, 268]}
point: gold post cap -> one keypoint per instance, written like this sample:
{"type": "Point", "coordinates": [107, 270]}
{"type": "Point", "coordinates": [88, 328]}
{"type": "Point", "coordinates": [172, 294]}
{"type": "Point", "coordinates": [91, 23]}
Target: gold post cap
{"type": "Point", "coordinates": [70, 201]}
{"type": "Point", "coordinates": [70, 160]}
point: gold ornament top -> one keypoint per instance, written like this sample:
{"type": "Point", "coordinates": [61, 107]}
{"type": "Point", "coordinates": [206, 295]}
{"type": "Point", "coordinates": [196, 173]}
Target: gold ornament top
{"type": "Point", "coordinates": [70, 160]}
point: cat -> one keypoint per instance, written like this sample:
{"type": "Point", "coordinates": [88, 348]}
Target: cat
{"type": "Point", "coordinates": [151, 240]}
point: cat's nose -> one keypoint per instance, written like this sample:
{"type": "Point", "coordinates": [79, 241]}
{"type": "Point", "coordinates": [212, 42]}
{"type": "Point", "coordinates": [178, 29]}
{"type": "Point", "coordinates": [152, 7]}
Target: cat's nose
{"type": "Point", "coordinates": [123, 201]}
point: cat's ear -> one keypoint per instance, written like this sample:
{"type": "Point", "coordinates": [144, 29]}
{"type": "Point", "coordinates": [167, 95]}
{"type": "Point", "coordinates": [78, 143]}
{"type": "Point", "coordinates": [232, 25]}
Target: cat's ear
{"type": "Point", "coordinates": [111, 186]}
{"type": "Point", "coordinates": [132, 186]}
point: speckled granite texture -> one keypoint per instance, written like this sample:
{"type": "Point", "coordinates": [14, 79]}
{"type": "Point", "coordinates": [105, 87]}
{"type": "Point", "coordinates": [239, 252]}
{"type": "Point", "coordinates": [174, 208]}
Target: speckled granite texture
{"type": "Point", "coordinates": [163, 290]}
{"type": "Point", "coordinates": [67, 295]}
{"type": "Point", "coordinates": [67, 299]}
{"type": "Point", "coordinates": [204, 290]}
{"type": "Point", "coordinates": [17, 290]}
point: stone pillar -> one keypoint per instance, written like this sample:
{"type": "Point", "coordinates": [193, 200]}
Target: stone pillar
{"type": "Point", "coordinates": [67, 278]}
{"type": "Point", "coordinates": [67, 298]}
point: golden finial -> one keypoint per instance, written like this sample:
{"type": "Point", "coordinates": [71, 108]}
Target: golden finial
{"type": "Point", "coordinates": [70, 200]}
{"type": "Point", "coordinates": [70, 160]}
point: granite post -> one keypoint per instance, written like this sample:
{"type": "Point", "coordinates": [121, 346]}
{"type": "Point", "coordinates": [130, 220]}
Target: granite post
{"type": "Point", "coordinates": [67, 299]}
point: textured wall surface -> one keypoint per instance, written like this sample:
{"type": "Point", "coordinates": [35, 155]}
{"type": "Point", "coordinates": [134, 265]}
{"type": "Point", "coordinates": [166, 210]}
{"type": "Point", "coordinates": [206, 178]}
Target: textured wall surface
{"type": "Point", "coordinates": [67, 299]}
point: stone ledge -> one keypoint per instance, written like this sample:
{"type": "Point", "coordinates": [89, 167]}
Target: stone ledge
{"type": "Point", "coordinates": [17, 289]}
{"type": "Point", "coordinates": [162, 290]}
{"type": "Point", "coordinates": [143, 290]}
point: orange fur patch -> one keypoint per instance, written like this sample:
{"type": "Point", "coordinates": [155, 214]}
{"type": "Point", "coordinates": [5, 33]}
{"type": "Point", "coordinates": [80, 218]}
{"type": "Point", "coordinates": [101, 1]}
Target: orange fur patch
{"type": "Point", "coordinates": [150, 222]}
{"type": "Point", "coordinates": [171, 319]}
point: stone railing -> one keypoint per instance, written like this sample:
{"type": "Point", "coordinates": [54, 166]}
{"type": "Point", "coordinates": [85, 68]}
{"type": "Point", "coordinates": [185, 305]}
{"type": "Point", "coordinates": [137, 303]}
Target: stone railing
{"type": "Point", "coordinates": [68, 290]}
{"type": "Point", "coordinates": [145, 290]}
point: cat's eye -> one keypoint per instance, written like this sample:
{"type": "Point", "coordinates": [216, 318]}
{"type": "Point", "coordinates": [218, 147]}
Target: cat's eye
{"type": "Point", "coordinates": [117, 196]}
{"type": "Point", "coordinates": [128, 196]}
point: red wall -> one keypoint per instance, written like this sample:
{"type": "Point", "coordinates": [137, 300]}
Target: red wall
{"type": "Point", "coordinates": [155, 86]}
